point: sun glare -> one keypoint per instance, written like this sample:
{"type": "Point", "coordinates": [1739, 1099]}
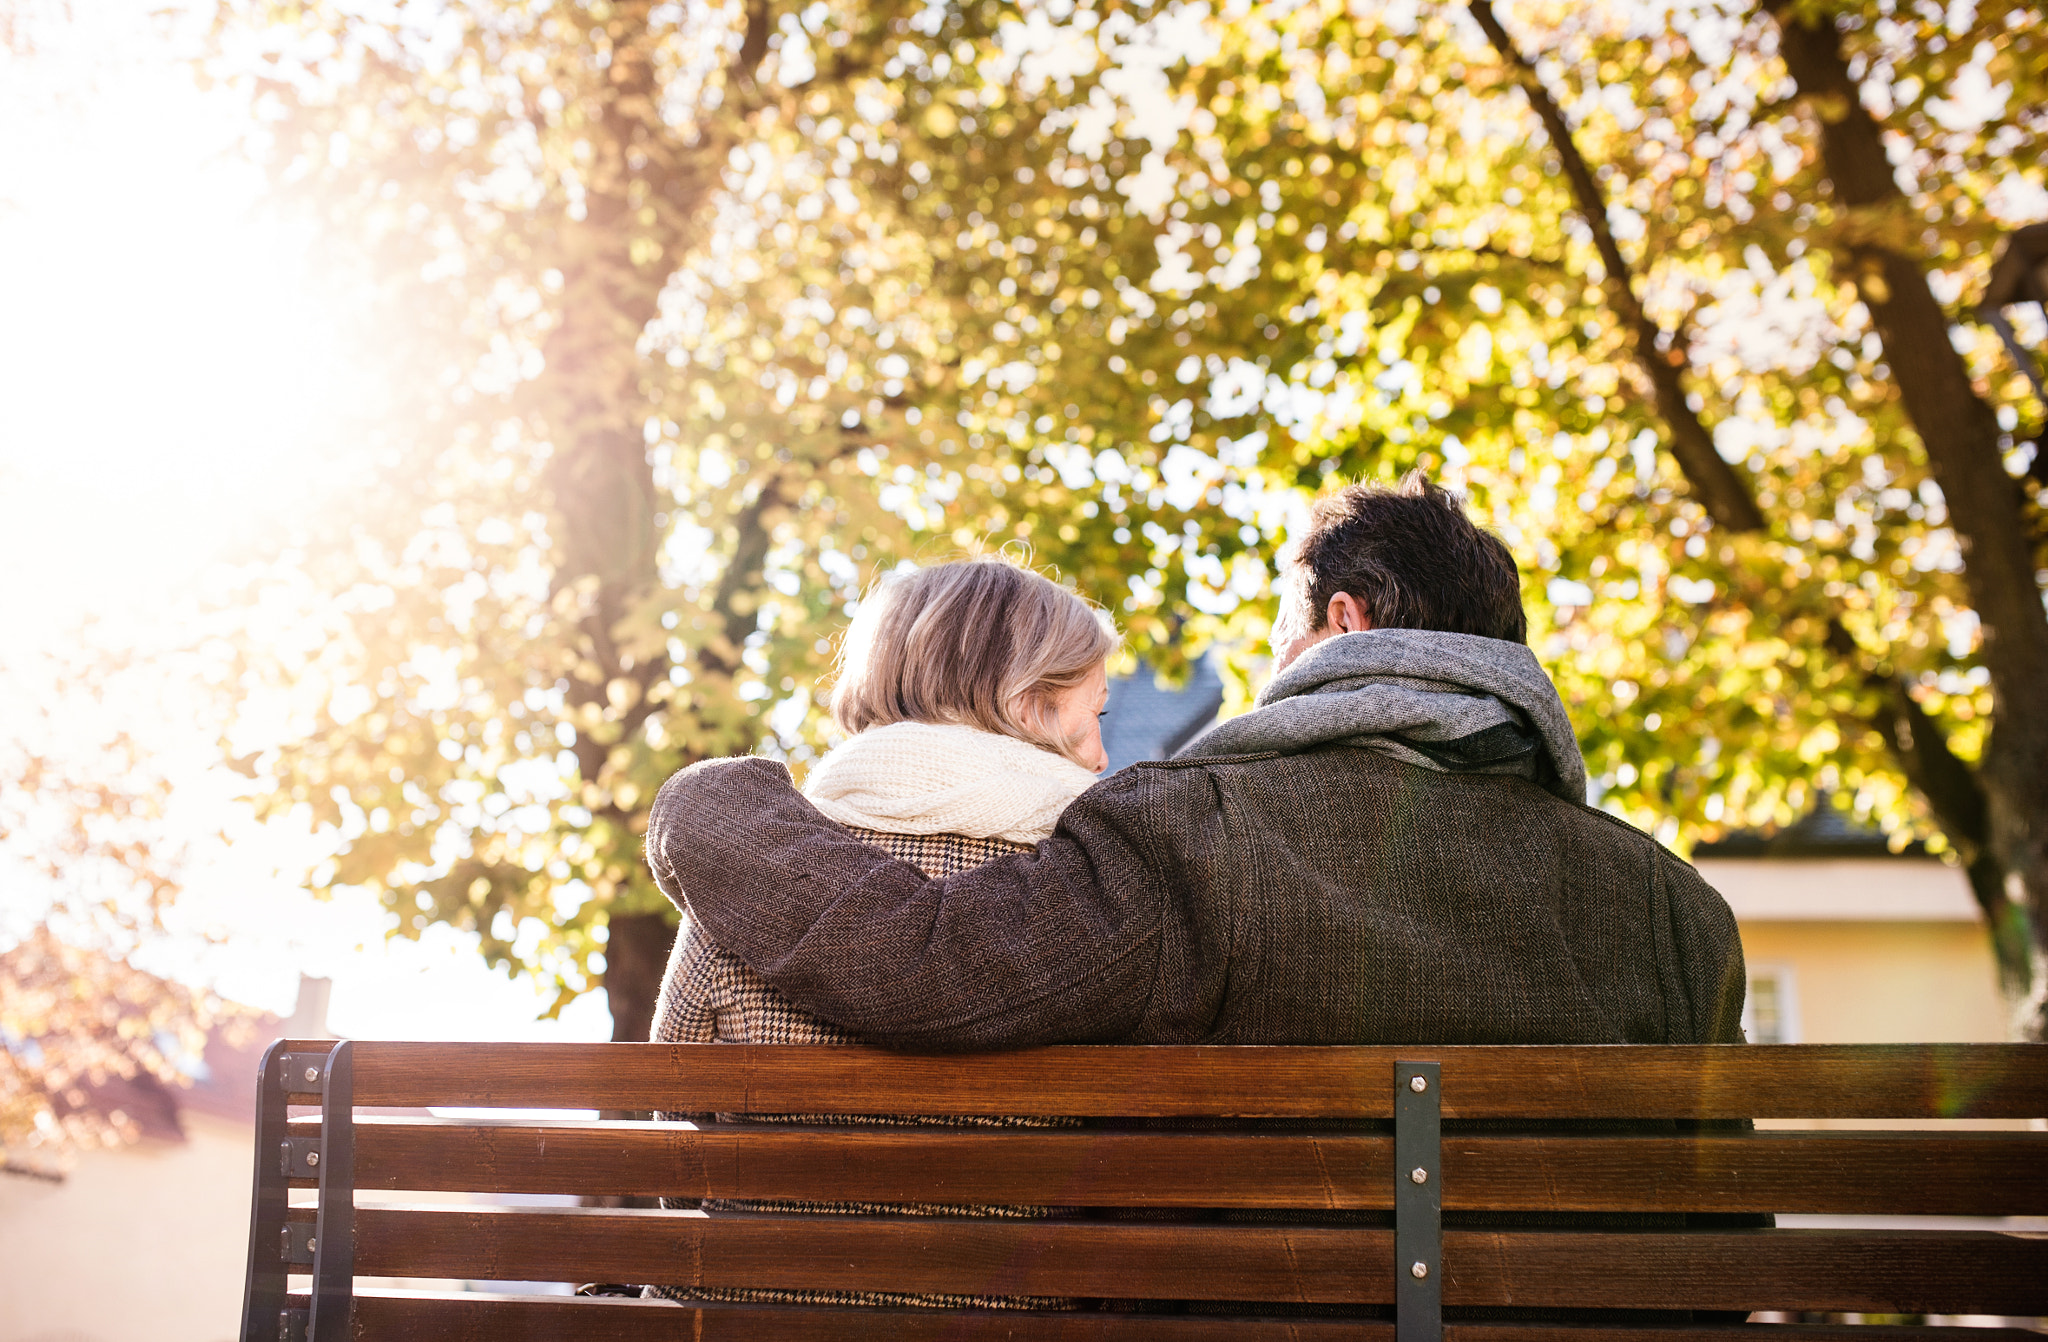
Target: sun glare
{"type": "Point", "coordinates": [166, 365]}
{"type": "Point", "coordinates": [171, 389]}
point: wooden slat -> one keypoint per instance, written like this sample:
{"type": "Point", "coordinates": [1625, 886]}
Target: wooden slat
{"type": "Point", "coordinates": [1638, 1080]}
{"type": "Point", "coordinates": [385, 1317]}
{"type": "Point", "coordinates": [1965, 1174]}
{"type": "Point", "coordinates": [388, 1316]}
{"type": "Point", "coordinates": [1845, 1173]}
{"type": "Point", "coordinates": [840, 1253]}
{"type": "Point", "coordinates": [1872, 1272]}
{"type": "Point", "coordinates": [1764, 1332]}
{"type": "Point", "coordinates": [1877, 1272]}
{"type": "Point", "coordinates": [1047, 1168]}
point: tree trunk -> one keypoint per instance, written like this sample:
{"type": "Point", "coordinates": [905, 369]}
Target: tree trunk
{"type": "Point", "coordinates": [635, 959]}
{"type": "Point", "coordinates": [1955, 793]}
{"type": "Point", "coordinates": [1985, 505]}
{"type": "Point", "coordinates": [592, 401]}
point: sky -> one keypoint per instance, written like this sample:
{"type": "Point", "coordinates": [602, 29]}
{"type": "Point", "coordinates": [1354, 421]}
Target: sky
{"type": "Point", "coordinates": [167, 376]}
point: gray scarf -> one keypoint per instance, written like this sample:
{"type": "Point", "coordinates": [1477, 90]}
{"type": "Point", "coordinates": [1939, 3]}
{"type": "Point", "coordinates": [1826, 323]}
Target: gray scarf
{"type": "Point", "coordinates": [1452, 702]}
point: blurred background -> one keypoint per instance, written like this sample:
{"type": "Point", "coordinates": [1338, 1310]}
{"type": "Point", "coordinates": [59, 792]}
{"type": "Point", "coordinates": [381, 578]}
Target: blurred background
{"type": "Point", "coordinates": [427, 424]}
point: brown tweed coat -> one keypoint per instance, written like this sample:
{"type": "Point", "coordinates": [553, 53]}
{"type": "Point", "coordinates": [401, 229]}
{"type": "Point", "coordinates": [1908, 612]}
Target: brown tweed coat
{"type": "Point", "coordinates": [1335, 895]}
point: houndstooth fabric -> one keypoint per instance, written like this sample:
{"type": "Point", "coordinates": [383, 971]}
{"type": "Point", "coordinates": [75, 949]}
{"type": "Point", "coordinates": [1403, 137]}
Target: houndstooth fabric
{"type": "Point", "coordinates": [710, 996]}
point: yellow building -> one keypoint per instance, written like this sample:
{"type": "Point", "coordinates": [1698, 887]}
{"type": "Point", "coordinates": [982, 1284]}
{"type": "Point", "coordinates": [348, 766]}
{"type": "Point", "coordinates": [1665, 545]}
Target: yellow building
{"type": "Point", "coordinates": [169, 1212]}
{"type": "Point", "coordinates": [150, 1240]}
{"type": "Point", "coordinates": [147, 1241]}
{"type": "Point", "coordinates": [1848, 943]}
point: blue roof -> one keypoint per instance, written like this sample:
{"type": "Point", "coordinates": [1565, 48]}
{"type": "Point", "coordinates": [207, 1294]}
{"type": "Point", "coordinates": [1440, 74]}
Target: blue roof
{"type": "Point", "coordinates": [1146, 720]}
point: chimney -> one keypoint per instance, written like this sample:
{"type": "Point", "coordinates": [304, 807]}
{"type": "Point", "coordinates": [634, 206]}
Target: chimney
{"type": "Point", "coordinates": [309, 1018]}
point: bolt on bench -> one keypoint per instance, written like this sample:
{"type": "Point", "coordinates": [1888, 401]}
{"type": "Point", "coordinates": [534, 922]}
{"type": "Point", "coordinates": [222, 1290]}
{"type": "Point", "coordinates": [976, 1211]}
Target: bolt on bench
{"type": "Point", "coordinates": [1418, 1267]}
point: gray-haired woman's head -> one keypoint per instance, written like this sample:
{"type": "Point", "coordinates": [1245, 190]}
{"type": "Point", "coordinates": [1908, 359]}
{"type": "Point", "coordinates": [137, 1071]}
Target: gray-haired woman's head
{"type": "Point", "coordinates": [979, 643]}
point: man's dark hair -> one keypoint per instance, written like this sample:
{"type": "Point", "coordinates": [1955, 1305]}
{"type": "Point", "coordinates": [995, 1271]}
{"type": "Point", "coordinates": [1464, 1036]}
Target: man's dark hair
{"type": "Point", "coordinates": [1413, 558]}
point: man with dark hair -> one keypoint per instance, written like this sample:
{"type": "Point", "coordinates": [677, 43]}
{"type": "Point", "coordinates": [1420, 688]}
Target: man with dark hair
{"type": "Point", "coordinates": [1393, 846]}
{"type": "Point", "coordinates": [1411, 557]}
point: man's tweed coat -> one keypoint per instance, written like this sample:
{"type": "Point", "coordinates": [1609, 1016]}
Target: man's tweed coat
{"type": "Point", "coordinates": [1335, 895]}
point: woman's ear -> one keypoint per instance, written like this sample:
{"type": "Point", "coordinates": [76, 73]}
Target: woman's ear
{"type": "Point", "coordinates": [1347, 614]}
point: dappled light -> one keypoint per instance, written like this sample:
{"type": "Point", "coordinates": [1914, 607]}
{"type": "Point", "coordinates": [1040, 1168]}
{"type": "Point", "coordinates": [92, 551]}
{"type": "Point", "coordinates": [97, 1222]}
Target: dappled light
{"type": "Point", "coordinates": [425, 427]}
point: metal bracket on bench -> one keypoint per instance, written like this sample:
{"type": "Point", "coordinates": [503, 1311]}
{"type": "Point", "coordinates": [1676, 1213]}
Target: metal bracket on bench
{"type": "Point", "coordinates": [298, 1242]}
{"type": "Point", "coordinates": [301, 1073]}
{"type": "Point", "coordinates": [263, 1289]}
{"type": "Point", "coordinates": [334, 1249]}
{"type": "Point", "coordinates": [1418, 1203]}
{"type": "Point", "coordinates": [299, 1157]}
{"type": "Point", "coordinates": [278, 1245]}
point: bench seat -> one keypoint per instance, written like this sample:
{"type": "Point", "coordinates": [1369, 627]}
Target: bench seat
{"type": "Point", "coordinates": [1415, 1192]}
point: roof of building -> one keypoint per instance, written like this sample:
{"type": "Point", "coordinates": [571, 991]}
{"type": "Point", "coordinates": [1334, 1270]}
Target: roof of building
{"type": "Point", "coordinates": [1824, 831]}
{"type": "Point", "coordinates": [1148, 720]}
{"type": "Point", "coordinates": [223, 1085]}
{"type": "Point", "coordinates": [223, 1078]}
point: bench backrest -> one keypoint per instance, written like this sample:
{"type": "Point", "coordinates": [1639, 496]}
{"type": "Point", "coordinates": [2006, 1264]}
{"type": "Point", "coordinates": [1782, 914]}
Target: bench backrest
{"type": "Point", "coordinates": [1272, 1182]}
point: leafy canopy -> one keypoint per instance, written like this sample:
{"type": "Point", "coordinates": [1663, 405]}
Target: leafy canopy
{"type": "Point", "coordinates": [700, 316]}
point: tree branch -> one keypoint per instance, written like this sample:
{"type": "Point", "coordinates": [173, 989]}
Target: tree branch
{"type": "Point", "coordinates": [754, 43]}
{"type": "Point", "coordinates": [1720, 488]}
{"type": "Point", "coordinates": [1960, 434]}
{"type": "Point", "coordinates": [1952, 792]}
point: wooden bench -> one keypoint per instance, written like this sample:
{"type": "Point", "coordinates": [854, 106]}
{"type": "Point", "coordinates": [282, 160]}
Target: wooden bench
{"type": "Point", "coordinates": [310, 1136]}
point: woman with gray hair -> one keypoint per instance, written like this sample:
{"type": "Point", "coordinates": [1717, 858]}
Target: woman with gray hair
{"type": "Point", "coordinates": [971, 694]}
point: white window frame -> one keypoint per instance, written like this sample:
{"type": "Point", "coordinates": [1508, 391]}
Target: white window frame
{"type": "Point", "coordinates": [1787, 978]}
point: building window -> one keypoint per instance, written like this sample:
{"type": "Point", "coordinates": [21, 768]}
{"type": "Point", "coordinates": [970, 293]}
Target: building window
{"type": "Point", "coordinates": [1770, 1014]}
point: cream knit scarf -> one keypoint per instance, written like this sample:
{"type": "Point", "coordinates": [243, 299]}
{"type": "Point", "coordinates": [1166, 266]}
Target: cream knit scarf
{"type": "Point", "coordinates": [925, 778]}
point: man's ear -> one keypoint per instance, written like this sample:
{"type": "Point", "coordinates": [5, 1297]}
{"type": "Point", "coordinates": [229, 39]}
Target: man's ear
{"type": "Point", "coordinates": [1347, 614]}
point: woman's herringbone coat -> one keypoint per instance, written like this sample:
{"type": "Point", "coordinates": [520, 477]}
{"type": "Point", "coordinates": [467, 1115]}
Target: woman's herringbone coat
{"type": "Point", "coordinates": [710, 997]}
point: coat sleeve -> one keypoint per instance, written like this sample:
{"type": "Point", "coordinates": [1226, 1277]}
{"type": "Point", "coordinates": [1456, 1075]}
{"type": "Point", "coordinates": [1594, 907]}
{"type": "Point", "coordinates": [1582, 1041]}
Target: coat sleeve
{"type": "Point", "coordinates": [1709, 950]}
{"type": "Point", "coordinates": [1061, 944]}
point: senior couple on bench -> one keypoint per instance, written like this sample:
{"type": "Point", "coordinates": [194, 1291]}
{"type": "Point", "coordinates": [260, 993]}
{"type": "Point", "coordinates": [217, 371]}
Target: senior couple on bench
{"type": "Point", "coordinates": [1393, 846]}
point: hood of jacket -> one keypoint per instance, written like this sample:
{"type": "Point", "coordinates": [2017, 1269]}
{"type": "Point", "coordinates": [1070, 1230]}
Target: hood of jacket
{"type": "Point", "coordinates": [1454, 702]}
